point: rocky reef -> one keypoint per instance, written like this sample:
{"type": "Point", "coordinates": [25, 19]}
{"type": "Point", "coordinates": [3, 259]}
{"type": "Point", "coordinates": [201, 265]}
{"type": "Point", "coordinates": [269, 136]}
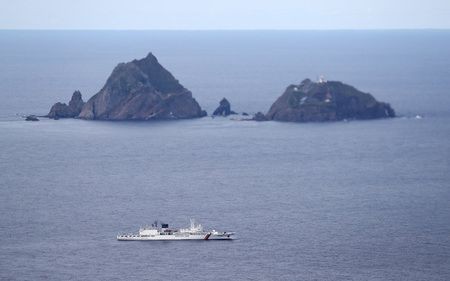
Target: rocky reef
{"type": "Point", "coordinates": [326, 101]}
{"type": "Point", "coordinates": [62, 110]}
{"type": "Point", "coordinates": [141, 90]}
{"type": "Point", "coordinates": [224, 108]}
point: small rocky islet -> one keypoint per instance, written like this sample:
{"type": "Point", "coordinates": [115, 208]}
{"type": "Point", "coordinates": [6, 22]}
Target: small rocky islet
{"type": "Point", "coordinates": [224, 108]}
{"type": "Point", "coordinates": [144, 90]}
{"type": "Point", "coordinates": [62, 110]}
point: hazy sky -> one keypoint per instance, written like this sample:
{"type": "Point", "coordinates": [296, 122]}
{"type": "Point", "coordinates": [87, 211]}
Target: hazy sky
{"type": "Point", "coordinates": [229, 14]}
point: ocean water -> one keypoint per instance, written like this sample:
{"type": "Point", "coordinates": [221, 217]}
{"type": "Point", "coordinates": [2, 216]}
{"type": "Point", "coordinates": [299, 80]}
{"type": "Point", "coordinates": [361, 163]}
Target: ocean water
{"type": "Point", "coordinates": [358, 200]}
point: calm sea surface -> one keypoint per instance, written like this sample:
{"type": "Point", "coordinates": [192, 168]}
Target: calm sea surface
{"type": "Point", "coordinates": [359, 200]}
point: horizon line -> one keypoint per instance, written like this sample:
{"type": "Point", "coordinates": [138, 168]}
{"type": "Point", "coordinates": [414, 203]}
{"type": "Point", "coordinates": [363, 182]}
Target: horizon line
{"type": "Point", "coordinates": [224, 29]}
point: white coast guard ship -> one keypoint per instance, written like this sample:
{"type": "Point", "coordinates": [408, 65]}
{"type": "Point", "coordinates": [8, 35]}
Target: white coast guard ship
{"type": "Point", "coordinates": [161, 231]}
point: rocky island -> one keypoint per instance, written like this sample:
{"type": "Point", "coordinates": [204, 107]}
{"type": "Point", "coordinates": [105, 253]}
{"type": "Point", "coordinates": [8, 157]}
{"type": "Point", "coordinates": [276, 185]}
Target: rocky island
{"type": "Point", "coordinates": [137, 90]}
{"type": "Point", "coordinates": [326, 101]}
{"type": "Point", "coordinates": [144, 90]}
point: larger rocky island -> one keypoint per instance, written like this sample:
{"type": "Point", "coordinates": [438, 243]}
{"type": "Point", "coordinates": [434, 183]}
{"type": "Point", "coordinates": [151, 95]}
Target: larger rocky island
{"type": "Point", "coordinates": [325, 101]}
{"type": "Point", "coordinates": [137, 90]}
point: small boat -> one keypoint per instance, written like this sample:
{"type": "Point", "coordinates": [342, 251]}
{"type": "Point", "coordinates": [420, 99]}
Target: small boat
{"type": "Point", "coordinates": [161, 231]}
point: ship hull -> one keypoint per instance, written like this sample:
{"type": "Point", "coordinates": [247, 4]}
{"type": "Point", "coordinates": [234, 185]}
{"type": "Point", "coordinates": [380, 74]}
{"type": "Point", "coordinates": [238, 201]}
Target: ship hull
{"type": "Point", "coordinates": [203, 237]}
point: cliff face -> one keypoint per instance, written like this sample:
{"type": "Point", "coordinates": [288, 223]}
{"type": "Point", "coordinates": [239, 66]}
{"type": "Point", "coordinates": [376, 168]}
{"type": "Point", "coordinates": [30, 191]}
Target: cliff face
{"type": "Point", "coordinates": [141, 90]}
{"type": "Point", "coordinates": [62, 110]}
{"type": "Point", "coordinates": [326, 101]}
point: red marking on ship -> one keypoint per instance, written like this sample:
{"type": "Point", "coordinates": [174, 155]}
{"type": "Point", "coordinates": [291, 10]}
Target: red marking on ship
{"type": "Point", "coordinates": [207, 236]}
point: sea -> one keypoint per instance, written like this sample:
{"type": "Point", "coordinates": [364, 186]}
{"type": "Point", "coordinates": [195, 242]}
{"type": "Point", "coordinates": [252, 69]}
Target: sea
{"type": "Point", "coordinates": [350, 200]}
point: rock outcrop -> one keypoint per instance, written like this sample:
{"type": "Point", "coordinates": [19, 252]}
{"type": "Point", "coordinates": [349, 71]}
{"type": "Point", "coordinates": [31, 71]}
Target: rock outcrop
{"type": "Point", "coordinates": [326, 101]}
{"type": "Point", "coordinates": [62, 110]}
{"type": "Point", "coordinates": [142, 90]}
{"type": "Point", "coordinates": [259, 116]}
{"type": "Point", "coordinates": [224, 108]}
